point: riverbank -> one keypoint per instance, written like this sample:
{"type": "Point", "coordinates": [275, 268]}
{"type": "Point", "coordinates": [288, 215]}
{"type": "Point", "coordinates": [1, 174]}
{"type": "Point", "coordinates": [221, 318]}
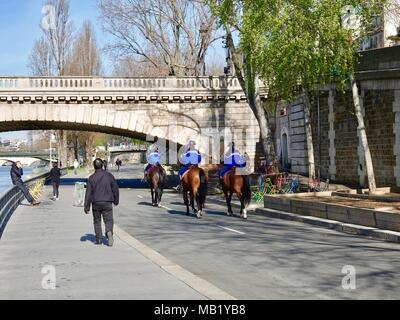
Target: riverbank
{"type": "Point", "coordinates": [5, 179]}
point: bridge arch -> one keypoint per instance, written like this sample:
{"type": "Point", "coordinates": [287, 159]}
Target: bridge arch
{"type": "Point", "coordinates": [129, 123]}
{"type": "Point", "coordinates": [173, 108]}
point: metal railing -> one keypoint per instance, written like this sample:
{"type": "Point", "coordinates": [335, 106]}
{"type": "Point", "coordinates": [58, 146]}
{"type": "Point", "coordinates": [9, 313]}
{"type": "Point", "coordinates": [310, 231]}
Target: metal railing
{"type": "Point", "coordinates": [12, 198]}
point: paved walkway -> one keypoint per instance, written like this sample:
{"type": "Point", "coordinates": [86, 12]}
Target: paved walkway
{"type": "Point", "coordinates": [60, 235]}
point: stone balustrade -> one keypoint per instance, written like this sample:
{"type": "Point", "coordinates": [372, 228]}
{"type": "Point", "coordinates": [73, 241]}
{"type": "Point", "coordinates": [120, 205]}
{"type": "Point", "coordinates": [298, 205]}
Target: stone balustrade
{"type": "Point", "coordinates": [117, 83]}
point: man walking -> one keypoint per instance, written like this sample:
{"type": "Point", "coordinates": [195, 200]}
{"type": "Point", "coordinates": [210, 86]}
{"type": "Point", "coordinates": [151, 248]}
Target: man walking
{"type": "Point", "coordinates": [101, 193]}
{"type": "Point", "coordinates": [55, 175]}
{"type": "Point", "coordinates": [16, 177]}
{"type": "Point", "coordinates": [76, 166]}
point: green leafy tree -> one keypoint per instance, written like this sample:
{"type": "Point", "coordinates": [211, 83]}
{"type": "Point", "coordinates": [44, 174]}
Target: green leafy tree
{"type": "Point", "coordinates": [304, 43]}
{"type": "Point", "coordinates": [232, 20]}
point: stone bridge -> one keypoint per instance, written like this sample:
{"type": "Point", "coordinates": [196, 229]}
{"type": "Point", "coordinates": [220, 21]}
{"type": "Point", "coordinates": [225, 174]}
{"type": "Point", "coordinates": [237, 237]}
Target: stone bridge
{"type": "Point", "coordinates": [173, 108]}
{"type": "Point", "coordinates": [26, 161]}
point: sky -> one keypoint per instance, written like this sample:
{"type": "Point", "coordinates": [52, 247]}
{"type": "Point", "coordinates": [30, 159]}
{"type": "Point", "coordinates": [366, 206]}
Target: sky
{"type": "Point", "coordinates": [20, 27]}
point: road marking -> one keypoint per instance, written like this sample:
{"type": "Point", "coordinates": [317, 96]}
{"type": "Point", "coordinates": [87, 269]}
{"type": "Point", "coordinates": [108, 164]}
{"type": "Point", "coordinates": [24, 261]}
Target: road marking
{"type": "Point", "coordinates": [229, 229]}
{"type": "Point", "coordinates": [205, 288]}
{"type": "Point", "coordinates": [169, 209]}
{"type": "Point", "coordinates": [139, 196]}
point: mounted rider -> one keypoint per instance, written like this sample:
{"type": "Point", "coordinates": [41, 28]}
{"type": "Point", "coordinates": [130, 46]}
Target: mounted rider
{"type": "Point", "coordinates": [190, 157]}
{"type": "Point", "coordinates": [153, 156]}
{"type": "Point", "coordinates": [232, 159]}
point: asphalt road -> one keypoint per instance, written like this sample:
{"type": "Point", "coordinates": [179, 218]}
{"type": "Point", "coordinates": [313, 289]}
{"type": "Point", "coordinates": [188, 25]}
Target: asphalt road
{"type": "Point", "coordinates": [262, 258]}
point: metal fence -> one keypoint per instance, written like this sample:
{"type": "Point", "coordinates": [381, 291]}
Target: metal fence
{"type": "Point", "coordinates": [12, 198]}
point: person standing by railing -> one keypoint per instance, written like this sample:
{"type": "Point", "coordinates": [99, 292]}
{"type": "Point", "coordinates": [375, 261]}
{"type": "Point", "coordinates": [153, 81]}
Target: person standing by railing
{"type": "Point", "coordinates": [55, 175]}
{"type": "Point", "coordinates": [16, 177]}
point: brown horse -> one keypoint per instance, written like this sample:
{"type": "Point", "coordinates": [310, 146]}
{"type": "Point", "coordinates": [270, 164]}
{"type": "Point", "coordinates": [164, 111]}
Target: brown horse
{"type": "Point", "coordinates": [239, 184]}
{"type": "Point", "coordinates": [194, 185]}
{"type": "Point", "coordinates": [157, 178]}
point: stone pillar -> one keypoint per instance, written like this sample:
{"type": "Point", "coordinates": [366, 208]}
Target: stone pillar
{"type": "Point", "coordinates": [331, 135]}
{"type": "Point", "coordinates": [396, 129]}
{"type": "Point", "coordinates": [362, 172]}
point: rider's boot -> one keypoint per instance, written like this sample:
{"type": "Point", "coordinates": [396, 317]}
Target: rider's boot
{"type": "Point", "coordinates": [179, 187]}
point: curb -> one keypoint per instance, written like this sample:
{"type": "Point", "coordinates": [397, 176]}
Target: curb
{"type": "Point", "coordinates": [251, 208]}
{"type": "Point", "coordinates": [203, 287]}
{"type": "Point", "coordinates": [373, 233]}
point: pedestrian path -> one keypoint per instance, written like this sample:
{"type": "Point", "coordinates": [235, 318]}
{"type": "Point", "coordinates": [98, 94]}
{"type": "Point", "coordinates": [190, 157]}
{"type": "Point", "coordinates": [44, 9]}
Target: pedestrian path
{"type": "Point", "coordinates": [58, 235]}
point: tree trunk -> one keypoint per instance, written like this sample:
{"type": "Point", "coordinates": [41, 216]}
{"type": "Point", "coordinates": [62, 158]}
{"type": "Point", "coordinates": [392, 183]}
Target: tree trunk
{"type": "Point", "coordinates": [309, 138]}
{"type": "Point", "coordinates": [64, 141]}
{"type": "Point", "coordinates": [76, 146]}
{"type": "Point", "coordinates": [252, 92]}
{"type": "Point", "coordinates": [59, 148]}
{"type": "Point", "coordinates": [363, 136]}
{"type": "Point", "coordinates": [263, 121]}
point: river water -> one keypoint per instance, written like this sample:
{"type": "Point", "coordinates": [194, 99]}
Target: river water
{"type": "Point", "coordinates": [5, 179]}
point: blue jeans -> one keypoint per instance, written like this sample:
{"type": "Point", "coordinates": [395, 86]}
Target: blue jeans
{"type": "Point", "coordinates": [149, 165]}
{"type": "Point", "coordinates": [25, 191]}
{"type": "Point", "coordinates": [183, 170]}
{"type": "Point", "coordinates": [225, 169]}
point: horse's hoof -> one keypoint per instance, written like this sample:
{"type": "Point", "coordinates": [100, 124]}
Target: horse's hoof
{"type": "Point", "coordinates": [228, 214]}
{"type": "Point", "coordinates": [199, 215]}
{"type": "Point", "coordinates": [244, 215]}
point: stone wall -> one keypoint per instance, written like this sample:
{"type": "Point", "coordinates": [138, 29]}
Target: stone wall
{"type": "Point", "coordinates": [337, 148]}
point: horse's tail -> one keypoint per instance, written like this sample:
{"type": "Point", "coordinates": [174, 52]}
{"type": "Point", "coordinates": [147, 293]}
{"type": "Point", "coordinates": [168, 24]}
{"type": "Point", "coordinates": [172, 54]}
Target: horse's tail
{"type": "Point", "coordinates": [203, 187]}
{"type": "Point", "coordinates": [246, 192]}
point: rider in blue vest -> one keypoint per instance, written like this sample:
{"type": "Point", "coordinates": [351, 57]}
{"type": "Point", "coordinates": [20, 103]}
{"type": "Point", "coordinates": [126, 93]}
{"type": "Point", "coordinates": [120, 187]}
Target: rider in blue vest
{"type": "Point", "coordinates": [153, 157]}
{"type": "Point", "coordinates": [189, 158]}
{"type": "Point", "coordinates": [232, 158]}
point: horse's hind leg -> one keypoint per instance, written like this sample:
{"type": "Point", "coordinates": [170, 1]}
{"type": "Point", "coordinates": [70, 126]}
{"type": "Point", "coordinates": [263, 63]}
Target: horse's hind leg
{"type": "Point", "coordinates": [192, 202]}
{"type": "Point", "coordinates": [243, 211]}
{"type": "Point", "coordinates": [228, 197]}
{"type": "Point", "coordinates": [186, 201]}
{"type": "Point", "coordinates": [199, 206]}
{"type": "Point", "coordinates": [160, 192]}
{"type": "Point", "coordinates": [152, 196]}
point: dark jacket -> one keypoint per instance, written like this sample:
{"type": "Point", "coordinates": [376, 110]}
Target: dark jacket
{"type": "Point", "coordinates": [101, 187]}
{"type": "Point", "coordinates": [55, 174]}
{"type": "Point", "coordinates": [16, 174]}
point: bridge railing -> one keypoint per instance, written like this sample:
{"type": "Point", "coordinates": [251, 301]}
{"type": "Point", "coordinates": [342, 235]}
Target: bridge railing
{"type": "Point", "coordinates": [112, 83]}
{"type": "Point", "coordinates": [136, 147]}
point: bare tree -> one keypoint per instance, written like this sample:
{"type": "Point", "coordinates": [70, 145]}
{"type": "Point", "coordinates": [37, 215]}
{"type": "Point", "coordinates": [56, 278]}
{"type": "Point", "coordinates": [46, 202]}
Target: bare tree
{"type": "Point", "coordinates": [59, 36]}
{"type": "Point", "coordinates": [130, 67]}
{"type": "Point", "coordinates": [85, 59]}
{"type": "Point", "coordinates": [41, 60]}
{"type": "Point", "coordinates": [50, 53]}
{"type": "Point", "coordinates": [171, 35]}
